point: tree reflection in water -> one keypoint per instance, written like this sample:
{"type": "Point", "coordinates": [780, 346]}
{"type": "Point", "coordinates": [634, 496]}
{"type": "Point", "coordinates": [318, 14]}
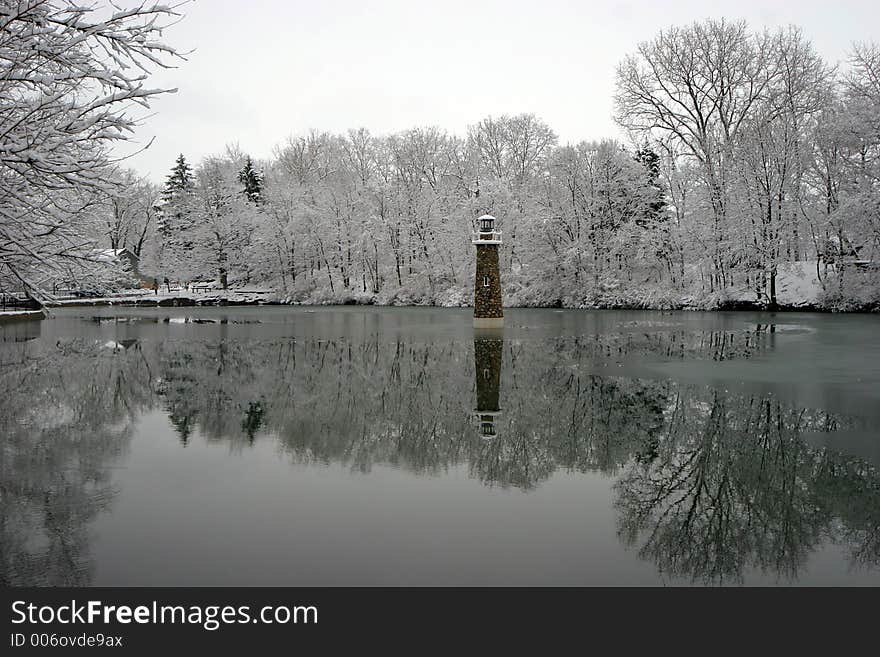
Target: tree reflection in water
{"type": "Point", "coordinates": [733, 486]}
{"type": "Point", "coordinates": [709, 483]}
{"type": "Point", "coordinates": [67, 415]}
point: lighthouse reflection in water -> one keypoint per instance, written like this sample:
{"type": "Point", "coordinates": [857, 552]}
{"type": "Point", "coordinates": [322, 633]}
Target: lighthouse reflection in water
{"type": "Point", "coordinates": [488, 349]}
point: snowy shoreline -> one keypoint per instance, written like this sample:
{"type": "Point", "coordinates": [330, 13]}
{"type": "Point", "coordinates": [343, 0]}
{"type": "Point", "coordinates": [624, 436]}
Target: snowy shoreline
{"type": "Point", "coordinates": [682, 305]}
{"type": "Point", "coordinates": [729, 306]}
{"type": "Point", "coordinates": [799, 289]}
{"type": "Point", "coordinates": [8, 316]}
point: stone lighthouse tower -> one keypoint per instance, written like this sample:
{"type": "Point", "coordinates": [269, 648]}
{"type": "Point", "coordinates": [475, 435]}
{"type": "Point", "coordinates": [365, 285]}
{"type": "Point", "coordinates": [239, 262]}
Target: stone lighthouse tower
{"type": "Point", "coordinates": [487, 283]}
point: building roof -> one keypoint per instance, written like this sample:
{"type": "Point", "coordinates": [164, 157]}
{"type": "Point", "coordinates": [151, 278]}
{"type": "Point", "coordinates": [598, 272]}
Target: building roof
{"type": "Point", "coordinates": [109, 255]}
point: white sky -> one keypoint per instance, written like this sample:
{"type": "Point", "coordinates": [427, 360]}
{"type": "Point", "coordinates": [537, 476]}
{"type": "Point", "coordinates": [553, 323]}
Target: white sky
{"type": "Point", "coordinates": [266, 69]}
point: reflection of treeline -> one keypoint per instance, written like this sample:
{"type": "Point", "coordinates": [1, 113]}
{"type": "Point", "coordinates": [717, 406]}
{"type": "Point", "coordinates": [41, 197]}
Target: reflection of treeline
{"type": "Point", "coordinates": [314, 392]}
{"type": "Point", "coordinates": [732, 487]}
{"type": "Point", "coordinates": [66, 412]}
{"type": "Point", "coordinates": [407, 404]}
{"type": "Point", "coordinates": [674, 344]}
{"type": "Point", "coordinates": [411, 404]}
{"type": "Point", "coordinates": [711, 483]}
{"type": "Point", "coordinates": [326, 400]}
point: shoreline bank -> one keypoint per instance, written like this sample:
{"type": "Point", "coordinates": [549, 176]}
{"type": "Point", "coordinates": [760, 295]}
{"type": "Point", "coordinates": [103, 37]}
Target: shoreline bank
{"type": "Point", "coordinates": [724, 306]}
{"type": "Point", "coordinates": [10, 316]}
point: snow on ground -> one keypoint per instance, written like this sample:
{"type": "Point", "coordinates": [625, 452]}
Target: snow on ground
{"type": "Point", "coordinates": [13, 315]}
{"type": "Point", "coordinates": [797, 283]}
{"type": "Point", "coordinates": [797, 286]}
{"type": "Point", "coordinates": [249, 294]}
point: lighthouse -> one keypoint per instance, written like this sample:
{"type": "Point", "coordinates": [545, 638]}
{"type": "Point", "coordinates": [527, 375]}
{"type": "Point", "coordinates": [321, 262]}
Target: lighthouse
{"type": "Point", "coordinates": [487, 282]}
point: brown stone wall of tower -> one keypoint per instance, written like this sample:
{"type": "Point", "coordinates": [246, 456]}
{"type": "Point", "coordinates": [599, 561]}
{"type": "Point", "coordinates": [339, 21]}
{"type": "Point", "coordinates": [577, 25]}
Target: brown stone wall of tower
{"type": "Point", "coordinates": [487, 359]}
{"type": "Point", "coordinates": [487, 300]}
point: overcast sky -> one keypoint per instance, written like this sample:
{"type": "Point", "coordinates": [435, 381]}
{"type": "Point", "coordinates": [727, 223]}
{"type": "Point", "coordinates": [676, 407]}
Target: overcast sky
{"type": "Point", "coordinates": [265, 69]}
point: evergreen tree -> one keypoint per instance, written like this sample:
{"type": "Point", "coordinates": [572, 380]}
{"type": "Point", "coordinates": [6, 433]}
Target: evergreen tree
{"type": "Point", "coordinates": [180, 180]}
{"type": "Point", "coordinates": [252, 180]}
{"type": "Point", "coordinates": [655, 211]}
{"type": "Point", "coordinates": [176, 221]}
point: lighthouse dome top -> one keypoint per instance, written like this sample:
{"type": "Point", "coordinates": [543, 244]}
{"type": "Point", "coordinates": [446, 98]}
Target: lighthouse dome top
{"type": "Point", "coordinates": [487, 223]}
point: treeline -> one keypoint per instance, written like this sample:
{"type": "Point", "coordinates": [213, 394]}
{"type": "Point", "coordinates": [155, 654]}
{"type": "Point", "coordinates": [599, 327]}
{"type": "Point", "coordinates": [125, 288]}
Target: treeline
{"type": "Point", "coordinates": [750, 172]}
{"type": "Point", "coordinates": [751, 155]}
{"type": "Point", "coordinates": [752, 166]}
{"type": "Point", "coordinates": [388, 219]}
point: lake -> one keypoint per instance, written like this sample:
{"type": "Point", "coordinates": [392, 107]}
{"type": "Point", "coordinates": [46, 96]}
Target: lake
{"type": "Point", "coordinates": [370, 446]}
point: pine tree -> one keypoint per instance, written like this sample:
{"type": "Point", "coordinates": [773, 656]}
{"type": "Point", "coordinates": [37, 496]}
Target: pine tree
{"type": "Point", "coordinates": [656, 207]}
{"type": "Point", "coordinates": [176, 221]}
{"type": "Point", "coordinates": [180, 179]}
{"type": "Point", "coordinates": [252, 181]}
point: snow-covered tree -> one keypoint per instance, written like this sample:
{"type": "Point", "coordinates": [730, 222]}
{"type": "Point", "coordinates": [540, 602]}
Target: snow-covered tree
{"type": "Point", "coordinates": [699, 86]}
{"type": "Point", "coordinates": [223, 222]}
{"type": "Point", "coordinates": [770, 160]}
{"type": "Point", "coordinates": [179, 181]}
{"type": "Point", "coordinates": [131, 215]}
{"type": "Point", "coordinates": [171, 255]}
{"type": "Point", "coordinates": [252, 180]}
{"type": "Point", "coordinates": [70, 76]}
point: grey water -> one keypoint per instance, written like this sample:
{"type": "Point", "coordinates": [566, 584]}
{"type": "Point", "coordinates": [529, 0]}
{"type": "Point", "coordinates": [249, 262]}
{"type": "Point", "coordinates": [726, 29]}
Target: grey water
{"type": "Point", "coordinates": [390, 446]}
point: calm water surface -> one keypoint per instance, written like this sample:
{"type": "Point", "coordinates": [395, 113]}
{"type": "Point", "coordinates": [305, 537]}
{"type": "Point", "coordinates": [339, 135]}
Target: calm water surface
{"type": "Point", "coordinates": [333, 446]}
